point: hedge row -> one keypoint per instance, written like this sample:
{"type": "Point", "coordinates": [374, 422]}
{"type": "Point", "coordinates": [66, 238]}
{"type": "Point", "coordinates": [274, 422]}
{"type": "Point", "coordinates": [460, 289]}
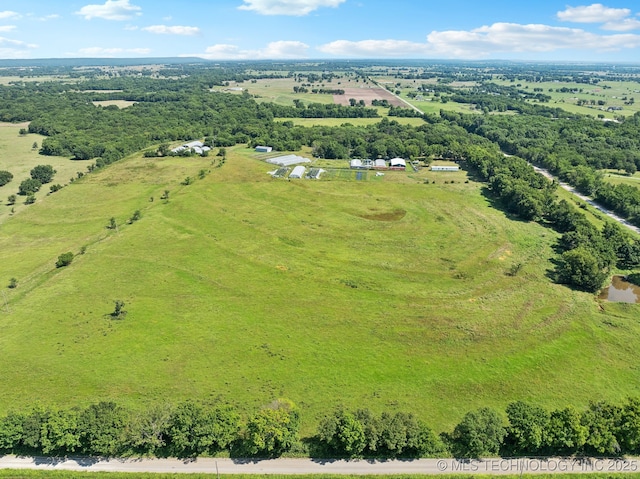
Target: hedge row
{"type": "Point", "coordinates": [191, 429]}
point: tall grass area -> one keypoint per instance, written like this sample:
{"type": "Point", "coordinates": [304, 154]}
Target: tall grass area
{"type": "Point", "coordinates": [390, 294]}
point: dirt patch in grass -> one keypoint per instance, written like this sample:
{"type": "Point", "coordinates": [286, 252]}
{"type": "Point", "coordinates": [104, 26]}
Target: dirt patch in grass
{"type": "Point", "coordinates": [395, 215]}
{"type": "Point", "coordinates": [368, 95]}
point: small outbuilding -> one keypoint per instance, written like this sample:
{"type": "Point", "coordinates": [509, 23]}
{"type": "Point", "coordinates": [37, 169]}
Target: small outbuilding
{"type": "Point", "coordinates": [445, 168]}
{"type": "Point", "coordinates": [380, 165]}
{"type": "Point", "coordinates": [355, 164]}
{"type": "Point", "coordinates": [264, 149]}
{"type": "Point", "coordinates": [298, 172]}
{"type": "Point", "coordinates": [397, 164]}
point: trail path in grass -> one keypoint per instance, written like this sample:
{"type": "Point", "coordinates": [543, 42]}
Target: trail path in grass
{"type": "Point", "coordinates": [597, 206]}
{"type": "Point", "coordinates": [494, 466]}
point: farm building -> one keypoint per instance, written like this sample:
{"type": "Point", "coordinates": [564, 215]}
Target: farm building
{"type": "Point", "coordinates": [264, 149]}
{"type": "Point", "coordinates": [288, 160]}
{"type": "Point", "coordinates": [445, 168]}
{"type": "Point", "coordinates": [355, 164]}
{"type": "Point", "coordinates": [367, 164]}
{"type": "Point", "coordinates": [298, 172]}
{"type": "Point", "coordinates": [380, 165]}
{"type": "Point", "coordinates": [197, 146]}
{"type": "Point", "coordinates": [397, 164]}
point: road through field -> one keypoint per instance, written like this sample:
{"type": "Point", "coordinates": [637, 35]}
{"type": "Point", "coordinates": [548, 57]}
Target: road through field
{"type": "Point", "coordinates": [494, 466]}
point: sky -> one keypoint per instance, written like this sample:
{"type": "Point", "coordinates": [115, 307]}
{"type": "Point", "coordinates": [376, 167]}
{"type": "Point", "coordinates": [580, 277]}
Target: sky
{"type": "Point", "coordinates": [544, 30]}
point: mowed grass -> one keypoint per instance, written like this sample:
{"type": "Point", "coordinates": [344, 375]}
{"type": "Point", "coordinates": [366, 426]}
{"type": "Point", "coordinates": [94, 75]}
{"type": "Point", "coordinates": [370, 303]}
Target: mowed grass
{"type": "Point", "coordinates": [389, 294]}
{"type": "Point", "coordinates": [616, 177]}
{"type": "Point", "coordinates": [18, 156]}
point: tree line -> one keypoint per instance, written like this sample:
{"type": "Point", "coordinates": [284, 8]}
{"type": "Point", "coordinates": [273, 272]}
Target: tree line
{"type": "Point", "coordinates": [192, 428]}
{"type": "Point", "coordinates": [188, 429]}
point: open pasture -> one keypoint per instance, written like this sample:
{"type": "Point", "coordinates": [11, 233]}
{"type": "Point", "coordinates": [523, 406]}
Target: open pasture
{"type": "Point", "coordinates": [367, 94]}
{"type": "Point", "coordinates": [612, 93]}
{"type": "Point", "coordinates": [351, 121]}
{"type": "Point", "coordinates": [390, 294]}
{"type": "Point", "coordinates": [18, 156]}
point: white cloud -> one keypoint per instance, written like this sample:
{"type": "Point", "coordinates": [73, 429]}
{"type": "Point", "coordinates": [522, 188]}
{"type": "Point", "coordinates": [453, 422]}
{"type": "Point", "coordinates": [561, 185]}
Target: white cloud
{"type": "Point", "coordinates": [625, 25]}
{"type": "Point", "coordinates": [7, 28]}
{"type": "Point", "coordinates": [9, 14]}
{"type": "Point", "coordinates": [111, 10]}
{"type": "Point", "coordinates": [274, 50]}
{"type": "Point", "coordinates": [172, 30]}
{"type": "Point", "coordinates": [595, 13]}
{"type": "Point", "coordinates": [14, 48]}
{"type": "Point", "coordinates": [111, 52]}
{"type": "Point", "coordinates": [375, 48]}
{"type": "Point", "coordinates": [499, 38]}
{"type": "Point", "coordinates": [53, 16]}
{"type": "Point", "coordinates": [287, 7]}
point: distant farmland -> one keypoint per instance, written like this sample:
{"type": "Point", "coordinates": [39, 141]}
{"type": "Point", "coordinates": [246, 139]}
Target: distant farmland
{"type": "Point", "coordinates": [368, 95]}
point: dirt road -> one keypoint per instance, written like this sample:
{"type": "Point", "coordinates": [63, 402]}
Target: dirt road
{"type": "Point", "coordinates": [588, 200]}
{"type": "Point", "coordinates": [495, 466]}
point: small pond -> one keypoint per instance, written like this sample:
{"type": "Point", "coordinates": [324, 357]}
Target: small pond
{"type": "Point", "coordinates": [621, 291]}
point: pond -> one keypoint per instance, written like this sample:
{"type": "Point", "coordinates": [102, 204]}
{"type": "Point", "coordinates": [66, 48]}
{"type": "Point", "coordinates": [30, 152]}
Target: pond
{"type": "Point", "coordinates": [621, 291]}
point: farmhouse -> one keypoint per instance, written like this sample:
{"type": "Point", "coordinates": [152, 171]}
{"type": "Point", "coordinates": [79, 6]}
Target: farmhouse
{"type": "Point", "coordinates": [444, 168]}
{"type": "Point", "coordinates": [288, 160]}
{"type": "Point", "coordinates": [298, 172]}
{"type": "Point", "coordinates": [397, 164]}
{"type": "Point", "coordinates": [264, 149]}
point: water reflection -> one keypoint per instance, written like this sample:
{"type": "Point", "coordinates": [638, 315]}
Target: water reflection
{"type": "Point", "coordinates": [621, 291]}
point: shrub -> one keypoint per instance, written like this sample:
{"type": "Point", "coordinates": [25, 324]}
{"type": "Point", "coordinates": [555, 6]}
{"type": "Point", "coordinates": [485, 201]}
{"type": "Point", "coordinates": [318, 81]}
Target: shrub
{"type": "Point", "coordinates": [5, 177]}
{"type": "Point", "coordinates": [64, 259]}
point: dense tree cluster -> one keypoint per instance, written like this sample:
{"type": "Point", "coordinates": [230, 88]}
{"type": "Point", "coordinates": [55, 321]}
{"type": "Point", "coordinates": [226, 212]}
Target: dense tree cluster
{"type": "Point", "coordinates": [188, 429]}
{"type": "Point", "coordinates": [359, 433]}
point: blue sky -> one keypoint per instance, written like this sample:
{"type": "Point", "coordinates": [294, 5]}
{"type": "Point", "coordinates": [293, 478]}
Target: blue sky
{"type": "Point", "coordinates": [544, 30]}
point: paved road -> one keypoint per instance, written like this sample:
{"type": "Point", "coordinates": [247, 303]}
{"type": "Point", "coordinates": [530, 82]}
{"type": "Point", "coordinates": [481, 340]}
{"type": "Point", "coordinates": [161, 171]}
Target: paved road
{"type": "Point", "coordinates": [495, 466]}
{"type": "Point", "coordinates": [600, 208]}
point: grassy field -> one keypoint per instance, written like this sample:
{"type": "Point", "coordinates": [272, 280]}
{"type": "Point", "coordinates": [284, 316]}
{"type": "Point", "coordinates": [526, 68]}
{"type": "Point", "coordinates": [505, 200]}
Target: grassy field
{"type": "Point", "coordinates": [351, 121]}
{"type": "Point", "coordinates": [118, 103]}
{"type": "Point", "coordinates": [612, 93]}
{"type": "Point", "coordinates": [385, 293]}
{"type": "Point", "coordinates": [614, 177]}
{"type": "Point", "coordinates": [18, 156]}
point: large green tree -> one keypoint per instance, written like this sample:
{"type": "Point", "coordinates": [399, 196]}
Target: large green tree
{"type": "Point", "coordinates": [43, 173]}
